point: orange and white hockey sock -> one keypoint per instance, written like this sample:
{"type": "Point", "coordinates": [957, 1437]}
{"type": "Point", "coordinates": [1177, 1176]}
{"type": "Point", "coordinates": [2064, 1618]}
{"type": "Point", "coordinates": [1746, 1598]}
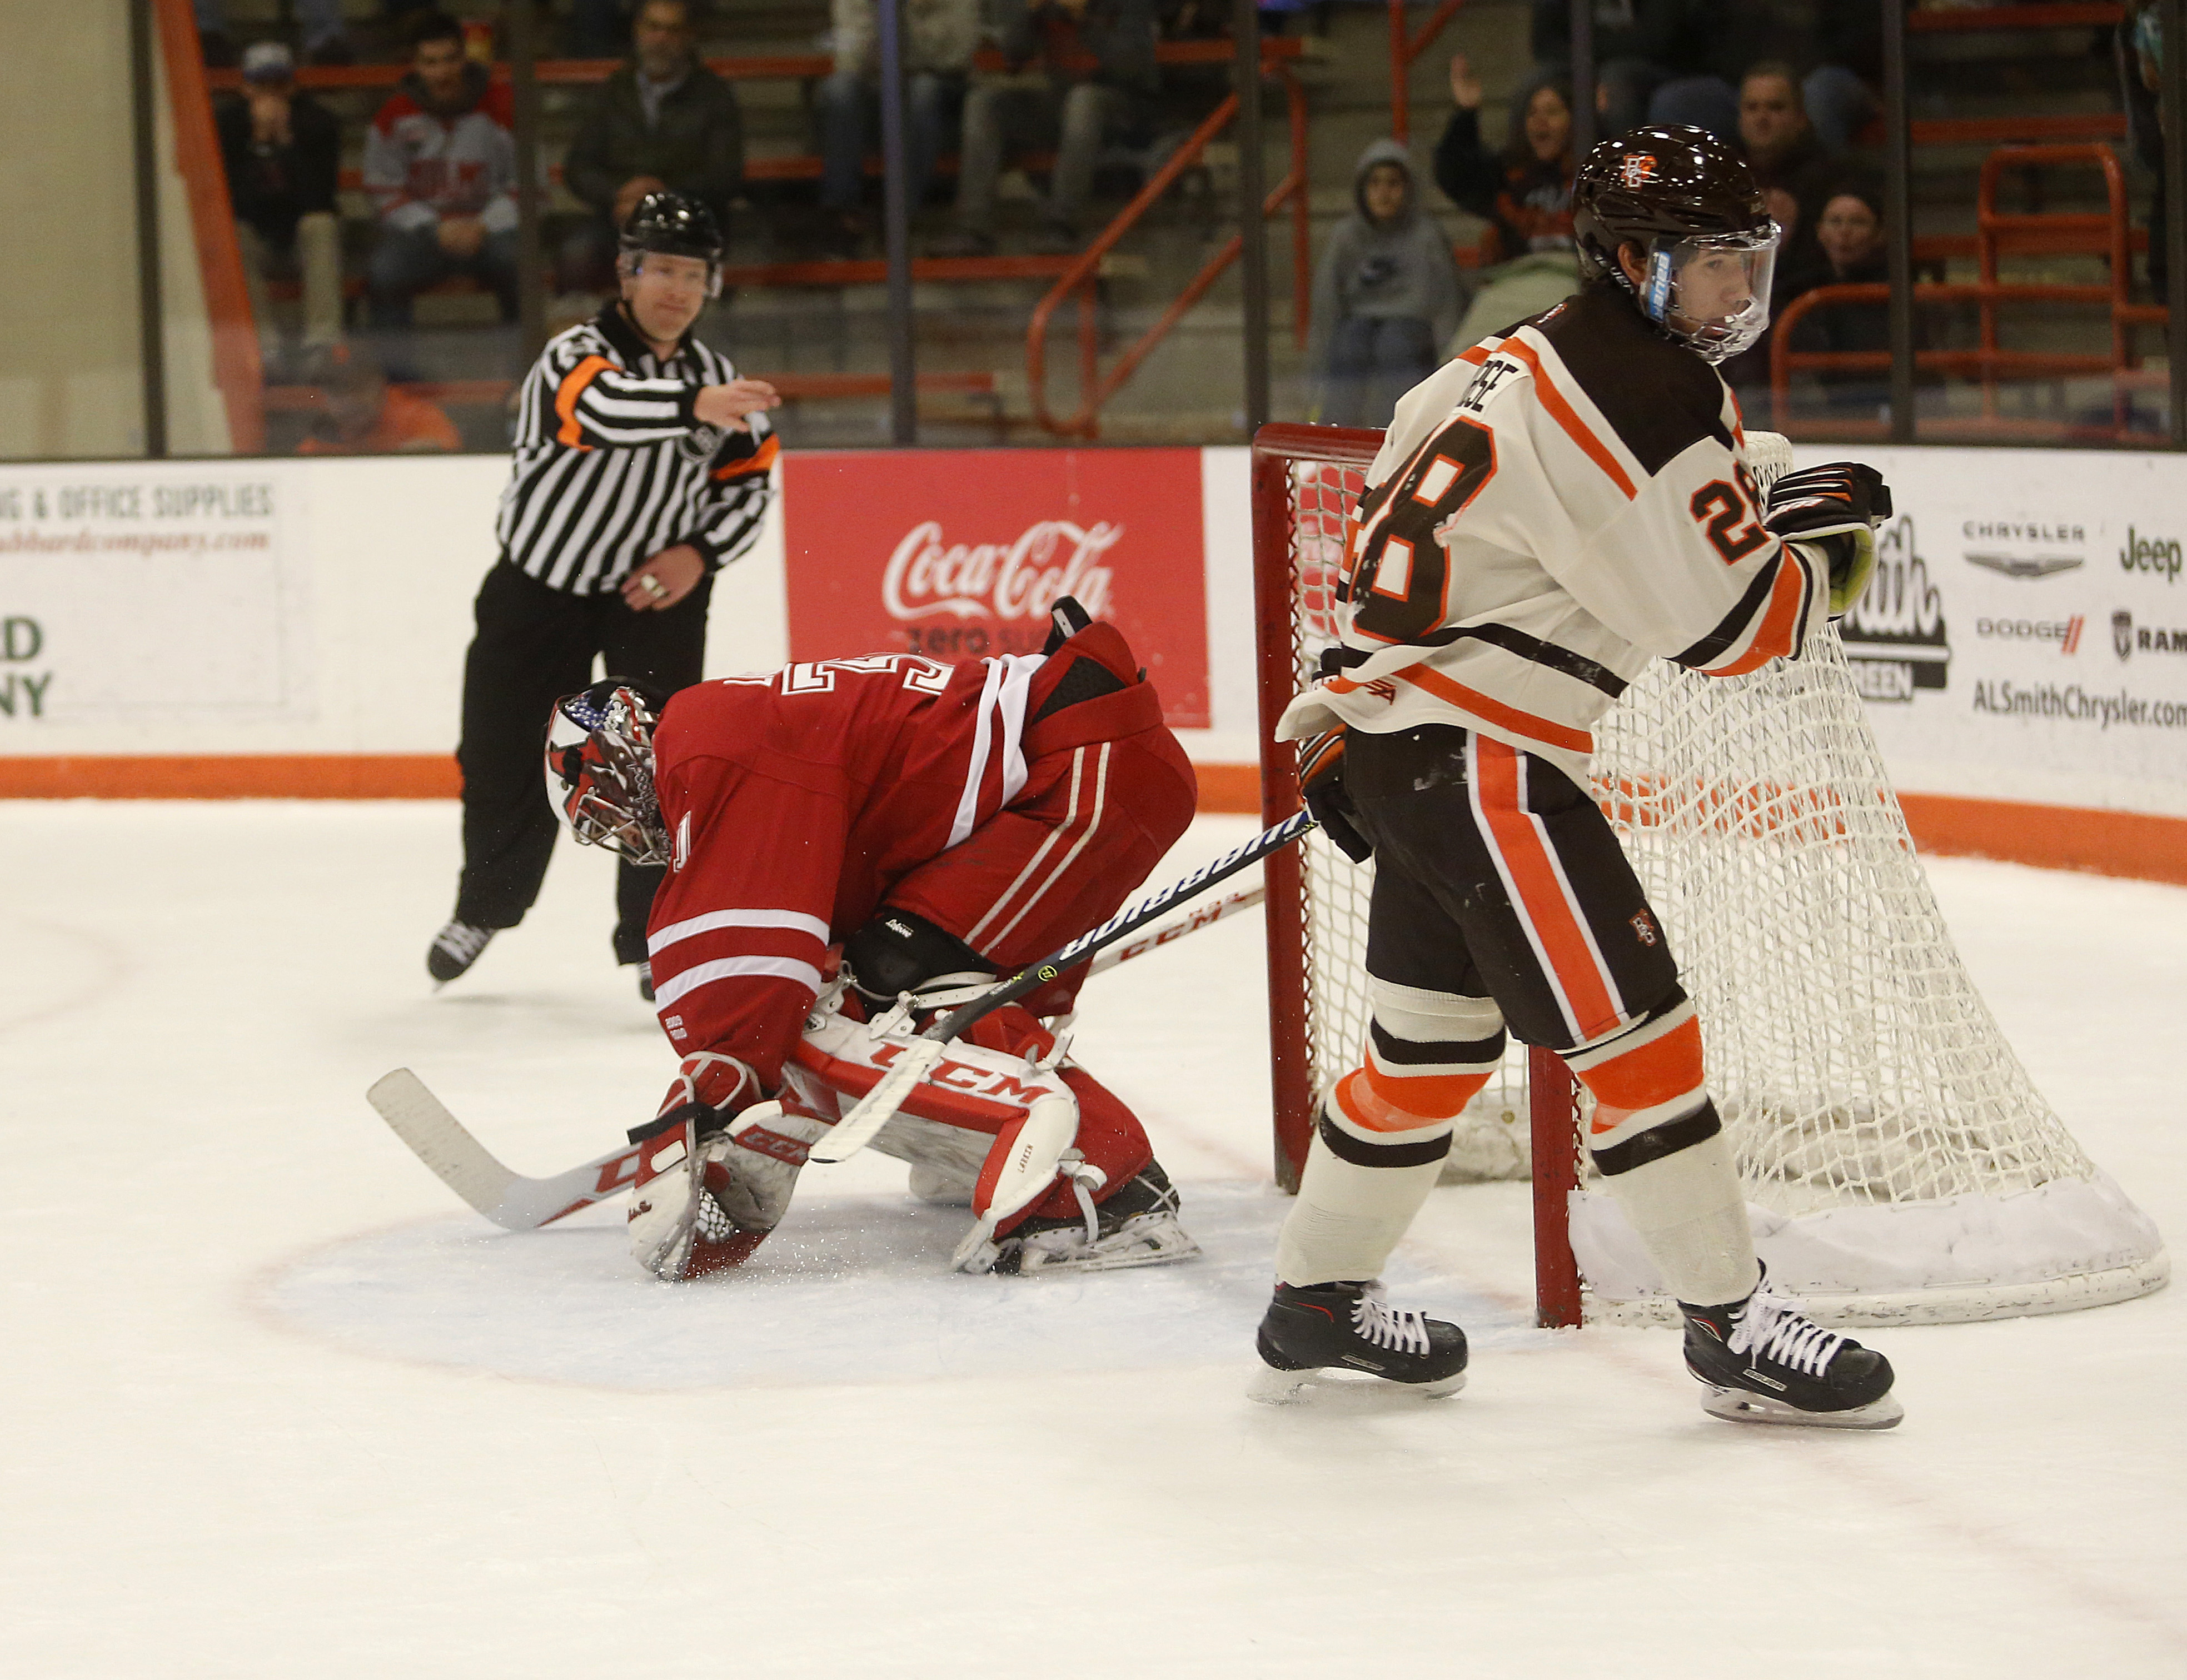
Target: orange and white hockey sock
{"type": "Point", "coordinates": [1657, 1141]}
{"type": "Point", "coordinates": [1385, 1132]}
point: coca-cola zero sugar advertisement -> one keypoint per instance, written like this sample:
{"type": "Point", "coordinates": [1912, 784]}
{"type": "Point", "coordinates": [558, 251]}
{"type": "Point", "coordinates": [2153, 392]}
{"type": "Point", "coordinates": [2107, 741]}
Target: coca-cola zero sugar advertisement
{"type": "Point", "coordinates": [956, 554]}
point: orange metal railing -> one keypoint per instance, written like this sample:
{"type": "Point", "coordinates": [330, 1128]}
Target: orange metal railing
{"type": "Point", "coordinates": [1095, 388]}
{"type": "Point", "coordinates": [2108, 234]}
{"type": "Point", "coordinates": [1405, 47]}
{"type": "Point", "coordinates": [235, 368]}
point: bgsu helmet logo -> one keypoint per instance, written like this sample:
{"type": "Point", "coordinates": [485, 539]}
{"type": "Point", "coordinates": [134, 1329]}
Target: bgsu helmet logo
{"type": "Point", "coordinates": [1637, 170]}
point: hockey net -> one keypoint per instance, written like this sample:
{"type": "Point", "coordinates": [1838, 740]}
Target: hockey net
{"type": "Point", "coordinates": [1899, 1164]}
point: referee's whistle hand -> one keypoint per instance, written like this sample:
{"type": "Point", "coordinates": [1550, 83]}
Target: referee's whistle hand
{"type": "Point", "coordinates": [727, 406]}
{"type": "Point", "coordinates": [662, 581]}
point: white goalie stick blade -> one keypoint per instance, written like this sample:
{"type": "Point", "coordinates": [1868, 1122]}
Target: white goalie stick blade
{"type": "Point", "coordinates": [874, 1110]}
{"type": "Point", "coordinates": [1272, 1387]}
{"type": "Point", "coordinates": [463, 1164]}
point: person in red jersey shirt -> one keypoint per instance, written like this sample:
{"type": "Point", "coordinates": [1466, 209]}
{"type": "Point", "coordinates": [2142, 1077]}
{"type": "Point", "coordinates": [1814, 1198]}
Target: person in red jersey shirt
{"type": "Point", "coordinates": [853, 845]}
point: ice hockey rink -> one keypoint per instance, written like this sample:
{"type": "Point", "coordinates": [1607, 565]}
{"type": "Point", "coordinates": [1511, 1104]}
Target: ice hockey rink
{"type": "Point", "coordinates": [277, 1405]}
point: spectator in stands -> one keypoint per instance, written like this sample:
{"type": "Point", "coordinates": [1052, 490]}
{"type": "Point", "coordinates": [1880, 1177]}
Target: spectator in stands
{"type": "Point", "coordinates": [282, 152]}
{"type": "Point", "coordinates": [1642, 48]}
{"type": "Point", "coordinates": [325, 35]}
{"type": "Point", "coordinates": [1849, 249]}
{"type": "Point", "coordinates": [440, 162]}
{"type": "Point", "coordinates": [1840, 91]}
{"type": "Point", "coordinates": [1524, 192]}
{"type": "Point", "coordinates": [663, 120]}
{"type": "Point", "coordinates": [1076, 111]}
{"type": "Point", "coordinates": [939, 39]}
{"type": "Point", "coordinates": [362, 414]}
{"type": "Point", "coordinates": [1788, 161]}
{"type": "Point", "coordinates": [1385, 297]}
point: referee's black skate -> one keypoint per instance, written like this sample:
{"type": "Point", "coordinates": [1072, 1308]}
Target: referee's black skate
{"type": "Point", "coordinates": [455, 949]}
{"type": "Point", "coordinates": [1764, 1361]}
{"type": "Point", "coordinates": [1352, 1326]}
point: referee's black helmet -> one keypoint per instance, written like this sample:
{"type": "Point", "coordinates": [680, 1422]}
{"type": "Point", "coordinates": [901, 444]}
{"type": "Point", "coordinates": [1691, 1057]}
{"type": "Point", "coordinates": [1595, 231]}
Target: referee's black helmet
{"type": "Point", "coordinates": [672, 224]}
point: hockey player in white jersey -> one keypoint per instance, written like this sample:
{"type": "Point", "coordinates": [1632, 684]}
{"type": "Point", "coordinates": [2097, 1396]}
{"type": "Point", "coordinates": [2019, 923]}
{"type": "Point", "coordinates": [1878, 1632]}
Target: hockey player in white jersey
{"type": "Point", "coordinates": [1549, 511]}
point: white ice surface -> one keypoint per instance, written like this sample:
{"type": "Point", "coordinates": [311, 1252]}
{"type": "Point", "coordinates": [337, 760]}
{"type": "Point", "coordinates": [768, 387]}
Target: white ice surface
{"type": "Point", "coordinates": [274, 1405]}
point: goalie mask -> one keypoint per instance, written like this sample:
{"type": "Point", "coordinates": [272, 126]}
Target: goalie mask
{"type": "Point", "coordinates": [600, 769]}
{"type": "Point", "coordinates": [1707, 246]}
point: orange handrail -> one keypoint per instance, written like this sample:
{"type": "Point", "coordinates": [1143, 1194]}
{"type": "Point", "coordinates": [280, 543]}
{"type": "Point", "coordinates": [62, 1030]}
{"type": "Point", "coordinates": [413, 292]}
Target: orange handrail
{"type": "Point", "coordinates": [1403, 49]}
{"type": "Point", "coordinates": [235, 366]}
{"type": "Point", "coordinates": [2105, 235]}
{"type": "Point", "coordinates": [1095, 389]}
{"type": "Point", "coordinates": [1988, 361]}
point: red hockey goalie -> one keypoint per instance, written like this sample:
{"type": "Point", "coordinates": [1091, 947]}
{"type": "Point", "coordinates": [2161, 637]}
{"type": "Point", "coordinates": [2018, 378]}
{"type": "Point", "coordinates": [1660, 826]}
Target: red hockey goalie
{"type": "Point", "coordinates": [853, 845]}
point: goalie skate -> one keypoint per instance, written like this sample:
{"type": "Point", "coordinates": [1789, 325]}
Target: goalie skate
{"type": "Point", "coordinates": [1764, 1361]}
{"type": "Point", "coordinates": [1352, 1327]}
{"type": "Point", "coordinates": [1136, 1227]}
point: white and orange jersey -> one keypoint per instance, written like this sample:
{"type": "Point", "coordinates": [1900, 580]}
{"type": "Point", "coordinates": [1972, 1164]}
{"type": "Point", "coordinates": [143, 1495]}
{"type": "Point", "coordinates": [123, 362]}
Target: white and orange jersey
{"type": "Point", "coordinates": [1549, 511]}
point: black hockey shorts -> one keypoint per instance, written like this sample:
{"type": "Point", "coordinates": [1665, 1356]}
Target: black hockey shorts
{"type": "Point", "coordinates": [1496, 875]}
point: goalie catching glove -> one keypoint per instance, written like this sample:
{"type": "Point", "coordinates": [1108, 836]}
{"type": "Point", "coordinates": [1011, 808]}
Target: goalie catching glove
{"type": "Point", "coordinates": [1834, 509]}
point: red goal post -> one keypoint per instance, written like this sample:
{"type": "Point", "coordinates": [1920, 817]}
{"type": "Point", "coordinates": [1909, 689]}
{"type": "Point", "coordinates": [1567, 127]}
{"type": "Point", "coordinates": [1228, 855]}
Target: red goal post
{"type": "Point", "coordinates": [1305, 482]}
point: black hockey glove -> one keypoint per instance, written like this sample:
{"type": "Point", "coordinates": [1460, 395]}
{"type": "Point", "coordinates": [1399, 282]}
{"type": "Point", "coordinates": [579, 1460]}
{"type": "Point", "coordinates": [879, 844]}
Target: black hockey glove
{"type": "Point", "coordinates": [1321, 784]}
{"type": "Point", "coordinates": [1835, 508]}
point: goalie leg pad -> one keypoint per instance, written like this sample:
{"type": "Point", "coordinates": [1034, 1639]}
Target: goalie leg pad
{"type": "Point", "coordinates": [1357, 1196]}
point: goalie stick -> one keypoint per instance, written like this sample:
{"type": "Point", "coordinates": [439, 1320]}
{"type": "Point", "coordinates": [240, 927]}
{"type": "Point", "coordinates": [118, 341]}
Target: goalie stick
{"type": "Point", "coordinates": [856, 1128]}
{"type": "Point", "coordinates": [517, 1203]}
{"type": "Point", "coordinates": [466, 1166]}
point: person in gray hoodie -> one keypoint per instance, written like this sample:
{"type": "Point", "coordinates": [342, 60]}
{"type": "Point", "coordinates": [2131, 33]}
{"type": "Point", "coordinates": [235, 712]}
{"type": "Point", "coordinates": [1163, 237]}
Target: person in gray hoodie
{"type": "Point", "coordinates": [1385, 297]}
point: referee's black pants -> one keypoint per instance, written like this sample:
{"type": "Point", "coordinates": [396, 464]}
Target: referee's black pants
{"type": "Point", "coordinates": [535, 644]}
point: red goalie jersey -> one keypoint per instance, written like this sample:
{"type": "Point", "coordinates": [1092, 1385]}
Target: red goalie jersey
{"type": "Point", "coordinates": [1012, 803]}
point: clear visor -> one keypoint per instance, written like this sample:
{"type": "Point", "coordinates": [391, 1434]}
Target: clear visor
{"type": "Point", "coordinates": [1712, 293]}
{"type": "Point", "coordinates": [631, 264]}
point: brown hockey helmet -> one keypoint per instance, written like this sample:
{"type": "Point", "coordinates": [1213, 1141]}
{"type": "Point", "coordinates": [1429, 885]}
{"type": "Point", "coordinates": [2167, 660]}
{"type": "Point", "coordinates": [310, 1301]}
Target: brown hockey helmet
{"type": "Point", "coordinates": [1678, 195]}
{"type": "Point", "coordinates": [1661, 183]}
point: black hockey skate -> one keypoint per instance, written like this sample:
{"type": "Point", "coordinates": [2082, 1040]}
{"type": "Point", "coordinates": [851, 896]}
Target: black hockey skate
{"type": "Point", "coordinates": [1764, 1361]}
{"type": "Point", "coordinates": [455, 949]}
{"type": "Point", "coordinates": [1136, 1227]}
{"type": "Point", "coordinates": [1354, 1327]}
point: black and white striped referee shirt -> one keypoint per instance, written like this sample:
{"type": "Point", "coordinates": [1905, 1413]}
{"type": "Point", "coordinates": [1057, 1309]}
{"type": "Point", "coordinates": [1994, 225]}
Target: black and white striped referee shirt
{"type": "Point", "coordinates": [611, 467]}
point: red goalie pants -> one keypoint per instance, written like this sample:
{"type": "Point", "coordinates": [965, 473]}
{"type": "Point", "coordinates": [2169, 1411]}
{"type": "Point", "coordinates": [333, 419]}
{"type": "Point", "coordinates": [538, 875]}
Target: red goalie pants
{"type": "Point", "coordinates": [764, 881]}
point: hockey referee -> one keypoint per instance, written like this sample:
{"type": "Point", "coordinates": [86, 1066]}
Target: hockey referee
{"type": "Point", "coordinates": [641, 470]}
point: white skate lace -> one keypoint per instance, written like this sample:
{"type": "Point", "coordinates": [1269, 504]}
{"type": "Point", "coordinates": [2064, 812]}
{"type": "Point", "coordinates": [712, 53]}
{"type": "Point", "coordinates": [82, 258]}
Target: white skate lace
{"type": "Point", "coordinates": [462, 941]}
{"type": "Point", "coordinates": [1773, 1327]}
{"type": "Point", "coordinates": [1400, 1329]}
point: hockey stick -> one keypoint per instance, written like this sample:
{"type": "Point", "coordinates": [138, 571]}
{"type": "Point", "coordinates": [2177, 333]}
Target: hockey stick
{"type": "Point", "coordinates": [516, 1203]}
{"type": "Point", "coordinates": [879, 1106]}
{"type": "Point", "coordinates": [463, 1164]}
{"type": "Point", "coordinates": [1205, 917]}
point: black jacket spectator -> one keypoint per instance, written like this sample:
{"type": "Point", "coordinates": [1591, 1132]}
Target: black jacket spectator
{"type": "Point", "coordinates": [696, 146]}
{"type": "Point", "coordinates": [271, 187]}
{"type": "Point", "coordinates": [1525, 200]}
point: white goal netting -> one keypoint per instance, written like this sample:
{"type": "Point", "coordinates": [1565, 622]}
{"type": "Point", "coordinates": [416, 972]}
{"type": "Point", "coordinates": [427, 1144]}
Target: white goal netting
{"type": "Point", "coordinates": [1899, 1162]}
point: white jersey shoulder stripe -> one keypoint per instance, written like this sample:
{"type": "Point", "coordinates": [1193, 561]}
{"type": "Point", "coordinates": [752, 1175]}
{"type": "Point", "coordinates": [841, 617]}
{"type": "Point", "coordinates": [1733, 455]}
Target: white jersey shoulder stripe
{"type": "Point", "coordinates": [794, 921]}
